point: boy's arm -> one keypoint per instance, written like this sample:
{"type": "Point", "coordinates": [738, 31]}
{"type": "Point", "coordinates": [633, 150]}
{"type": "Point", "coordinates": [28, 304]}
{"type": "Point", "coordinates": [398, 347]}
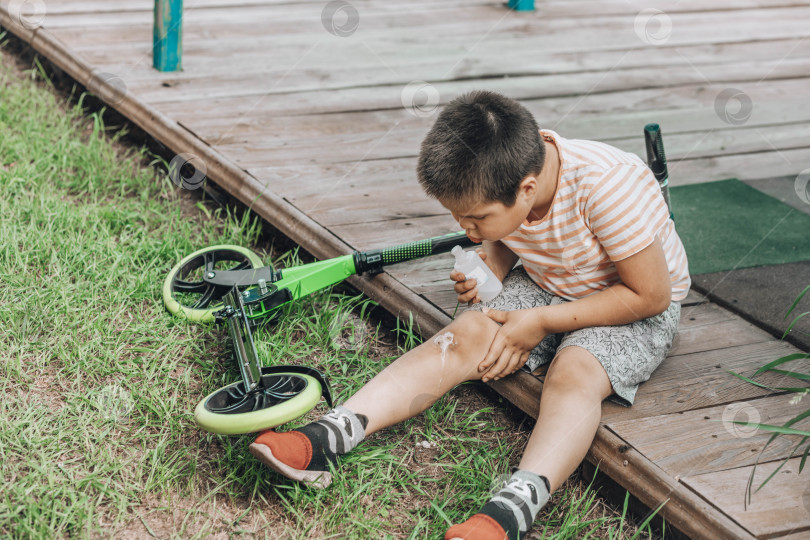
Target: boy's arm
{"type": "Point", "coordinates": [500, 258]}
{"type": "Point", "coordinates": [644, 291]}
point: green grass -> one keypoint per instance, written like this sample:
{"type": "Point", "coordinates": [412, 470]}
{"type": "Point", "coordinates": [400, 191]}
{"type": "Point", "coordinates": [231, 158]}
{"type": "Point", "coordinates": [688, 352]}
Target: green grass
{"type": "Point", "coordinates": [98, 382]}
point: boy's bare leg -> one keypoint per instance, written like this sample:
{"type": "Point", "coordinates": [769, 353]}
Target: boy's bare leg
{"type": "Point", "coordinates": [570, 410]}
{"type": "Point", "coordinates": [414, 381]}
{"type": "Point", "coordinates": [403, 389]}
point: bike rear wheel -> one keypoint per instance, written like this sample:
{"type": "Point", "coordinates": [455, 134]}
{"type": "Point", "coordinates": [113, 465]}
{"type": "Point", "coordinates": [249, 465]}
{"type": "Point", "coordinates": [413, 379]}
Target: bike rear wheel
{"type": "Point", "coordinates": [186, 294]}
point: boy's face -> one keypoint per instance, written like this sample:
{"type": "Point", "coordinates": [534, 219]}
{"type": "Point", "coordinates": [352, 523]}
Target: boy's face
{"type": "Point", "coordinates": [488, 220]}
{"type": "Point", "coordinates": [494, 220]}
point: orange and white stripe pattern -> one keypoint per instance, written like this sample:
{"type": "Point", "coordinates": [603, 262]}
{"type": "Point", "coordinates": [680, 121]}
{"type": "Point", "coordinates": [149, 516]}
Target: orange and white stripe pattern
{"type": "Point", "coordinates": [607, 207]}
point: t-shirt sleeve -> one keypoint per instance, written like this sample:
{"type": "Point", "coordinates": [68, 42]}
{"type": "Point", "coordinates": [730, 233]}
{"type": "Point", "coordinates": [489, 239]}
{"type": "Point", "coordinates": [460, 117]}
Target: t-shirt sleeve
{"type": "Point", "coordinates": [625, 210]}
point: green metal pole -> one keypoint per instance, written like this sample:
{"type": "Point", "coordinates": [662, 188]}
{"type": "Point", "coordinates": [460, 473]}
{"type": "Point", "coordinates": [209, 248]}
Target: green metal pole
{"type": "Point", "coordinates": [167, 37]}
{"type": "Point", "coordinates": [521, 5]}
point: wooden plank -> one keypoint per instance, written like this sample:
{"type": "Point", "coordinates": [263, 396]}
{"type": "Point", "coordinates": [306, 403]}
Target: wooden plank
{"type": "Point", "coordinates": [438, 61]}
{"type": "Point", "coordinates": [693, 298]}
{"type": "Point", "coordinates": [395, 231]}
{"type": "Point", "coordinates": [349, 193]}
{"type": "Point", "coordinates": [683, 169]}
{"type": "Point", "coordinates": [612, 31]}
{"type": "Point", "coordinates": [684, 508]}
{"type": "Point", "coordinates": [522, 390]}
{"type": "Point", "coordinates": [396, 133]}
{"type": "Point", "coordinates": [800, 535]}
{"type": "Point", "coordinates": [699, 380]}
{"type": "Point", "coordinates": [312, 69]}
{"type": "Point", "coordinates": [763, 164]}
{"type": "Point", "coordinates": [426, 276]}
{"type": "Point", "coordinates": [307, 45]}
{"type": "Point", "coordinates": [294, 18]}
{"type": "Point", "coordinates": [445, 299]}
{"type": "Point", "coordinates": [105, 6]}
{"type": "Point", "coordinates": [724, 144]}
{"type": "Point", "coordinates": [362, 177]}
{"type": "Point", "coordinates": [724, 334]}
{"type": "Point", "coordinates": [214, 43]}
{"type": "Point", "coordinates": [688, 150]}
{"type": "Point", "coordinates": [551, 9]}
{"type": "Point", "coordinates": [782, 506]}
{"type": "Point", "coordinates": [23, 27]}
{"type": "Point", "coordinates": [690, 121]}
{"type": "Point", "coordinates": [707, 440]}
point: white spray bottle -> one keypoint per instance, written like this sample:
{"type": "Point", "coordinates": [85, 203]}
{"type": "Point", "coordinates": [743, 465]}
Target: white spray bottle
{"type": "Point", "coordinates": [473, 267]}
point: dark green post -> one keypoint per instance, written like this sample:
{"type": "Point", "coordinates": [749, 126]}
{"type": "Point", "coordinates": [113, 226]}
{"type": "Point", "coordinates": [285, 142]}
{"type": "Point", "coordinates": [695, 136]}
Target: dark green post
{"type": "Point", "coordinates": [167, 37]}
{"type": "Point", "coordinates": [521, 5]}
{"type": "Point", "coordinates": [657, 160]}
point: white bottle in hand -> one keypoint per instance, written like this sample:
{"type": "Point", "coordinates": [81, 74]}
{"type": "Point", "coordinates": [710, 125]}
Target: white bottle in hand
{"type": "Point", "coordinates": [473, 267]}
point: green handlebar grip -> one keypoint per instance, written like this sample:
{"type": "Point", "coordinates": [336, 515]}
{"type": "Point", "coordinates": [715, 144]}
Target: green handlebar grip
{"type": "Point", "coordinates": [406, 252]}
{"type": "Point", "coordinates": [373, 261]}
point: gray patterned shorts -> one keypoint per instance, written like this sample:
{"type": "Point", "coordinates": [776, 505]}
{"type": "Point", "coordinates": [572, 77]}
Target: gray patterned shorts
{"type": "Point", "coordinates": [629, 353]}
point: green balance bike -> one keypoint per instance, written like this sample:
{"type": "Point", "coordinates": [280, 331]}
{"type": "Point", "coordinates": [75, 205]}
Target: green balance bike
{"type": "Point", "coordinates": [230, 285]}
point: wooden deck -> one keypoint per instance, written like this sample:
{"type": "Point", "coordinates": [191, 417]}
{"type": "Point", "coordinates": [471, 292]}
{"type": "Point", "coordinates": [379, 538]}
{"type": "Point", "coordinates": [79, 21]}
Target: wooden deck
{"type": "Point", "coordinates": [310, 129]}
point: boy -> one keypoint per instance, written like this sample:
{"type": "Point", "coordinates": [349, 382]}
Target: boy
{"type": "Point", "coordinates": [598, 295]}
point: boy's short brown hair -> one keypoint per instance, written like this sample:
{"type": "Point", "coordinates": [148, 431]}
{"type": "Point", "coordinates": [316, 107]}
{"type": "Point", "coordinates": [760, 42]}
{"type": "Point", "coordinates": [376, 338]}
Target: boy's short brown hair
{"type": "Point", "coordinates": [480, 148]}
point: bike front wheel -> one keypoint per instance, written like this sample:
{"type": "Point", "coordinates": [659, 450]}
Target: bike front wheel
{"type": "Point", "coordinates": [231, 411]}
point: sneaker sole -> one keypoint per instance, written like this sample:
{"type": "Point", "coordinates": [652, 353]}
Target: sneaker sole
{"type": "Point", "coordinates": [318, 479]}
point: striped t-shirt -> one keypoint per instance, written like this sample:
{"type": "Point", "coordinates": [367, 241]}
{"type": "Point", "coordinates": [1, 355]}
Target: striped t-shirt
{"type": "Point", "coordinates": [607, 207]}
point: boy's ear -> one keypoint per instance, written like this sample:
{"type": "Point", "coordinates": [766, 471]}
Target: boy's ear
{"type": "Point", "coordinates": [528, 187]}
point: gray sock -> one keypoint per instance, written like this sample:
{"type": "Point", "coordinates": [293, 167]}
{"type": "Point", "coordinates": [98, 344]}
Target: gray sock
{"type": "Point", "coordinates": [518, 502]}
{"type": "Point", "coordinates": [345, 430]}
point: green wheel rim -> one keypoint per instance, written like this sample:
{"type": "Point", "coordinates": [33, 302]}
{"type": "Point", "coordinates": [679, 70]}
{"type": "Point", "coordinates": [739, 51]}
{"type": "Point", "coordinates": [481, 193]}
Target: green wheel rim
{"type": "Point", "coordinates": [222, 253]}
{"type": "Point", "coordinates": [302, 399]}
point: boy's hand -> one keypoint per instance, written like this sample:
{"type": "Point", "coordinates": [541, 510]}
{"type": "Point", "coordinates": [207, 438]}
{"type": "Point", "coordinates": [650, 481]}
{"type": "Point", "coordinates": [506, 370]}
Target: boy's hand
{"type": "Point", "coordinates": [520, 332]}
{"type": "Point", "coordinates": [467, 289]}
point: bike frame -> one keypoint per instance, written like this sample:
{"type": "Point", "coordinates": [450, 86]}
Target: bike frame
{"type": "Point", "coordinates": [267, 290]}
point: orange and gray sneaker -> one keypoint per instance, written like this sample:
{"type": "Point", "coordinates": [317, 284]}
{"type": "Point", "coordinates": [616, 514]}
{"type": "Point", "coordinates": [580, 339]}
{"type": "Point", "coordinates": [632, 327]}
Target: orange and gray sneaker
{"type": "Point", "coordinates": [308, 454]}
{"type": "Point", "coordinates": [509, 514]}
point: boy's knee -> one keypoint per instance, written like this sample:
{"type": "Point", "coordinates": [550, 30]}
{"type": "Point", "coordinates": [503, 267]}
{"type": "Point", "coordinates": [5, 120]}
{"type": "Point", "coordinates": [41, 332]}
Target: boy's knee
{"type": "Point", "coordinates": [473, 330]}
{"type": "Point", "coordinates": [578, 369]}
{"type": "Point", "coordinates": [468, 337]}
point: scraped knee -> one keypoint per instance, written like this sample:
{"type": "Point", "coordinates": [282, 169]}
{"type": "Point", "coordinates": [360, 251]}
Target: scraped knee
{"type": "Point", "coordinates": [466, 340]}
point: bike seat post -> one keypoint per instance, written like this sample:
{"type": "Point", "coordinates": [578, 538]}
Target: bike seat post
{"type": "Point", "coordinates": [243, 346]}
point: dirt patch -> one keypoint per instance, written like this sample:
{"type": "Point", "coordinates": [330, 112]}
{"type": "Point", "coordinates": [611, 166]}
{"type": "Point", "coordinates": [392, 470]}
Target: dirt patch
{"type": "Point", "coordinates": [48, 389]}
{"type": "Point", "coordinates": [212, 517]}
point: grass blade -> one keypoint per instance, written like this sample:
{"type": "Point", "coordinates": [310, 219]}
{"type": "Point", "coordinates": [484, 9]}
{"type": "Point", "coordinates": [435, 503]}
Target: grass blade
{"type": "Point", "coordinates": [792, 324]}
{"type": "Point", "coordinates": [780, 361]}
{"type": "Point", "coordinates": [796, 302]}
